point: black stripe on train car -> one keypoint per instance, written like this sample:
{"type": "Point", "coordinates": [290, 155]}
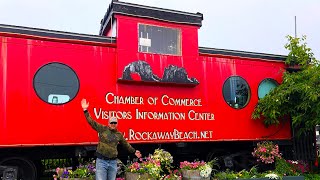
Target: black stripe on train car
{"type": "Point", "coordinates": [55, 34]}
{"type": "Point", "coordinates": [226, 52]}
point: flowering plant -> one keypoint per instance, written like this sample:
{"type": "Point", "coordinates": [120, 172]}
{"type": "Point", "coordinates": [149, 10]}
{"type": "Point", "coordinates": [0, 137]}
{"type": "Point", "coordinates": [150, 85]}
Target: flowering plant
{"type": "Point", "coordinates": [266, 152]}
{"type": "Point", "coordinates": [163, 156]}
{"type": "Point", "coordinates": [155, 165]}
{"type": "Point", "coordinates": [165, 159]}
{"type": "Point", "coordinates": [290, 167]}
{"type": "Point", "coordinates": [191, 165]}
{"type": "Point", "coordinates": [299, 166]}
{"type": "Point", "coordinates": [272, 176]}
{"type": "Point", "coordinates": [62, 173]}
{"type": "Point", "coordinates": [150, 166]}
{"type": "Point", "coordinates": [245, 174]}
{"type": "Point", "coordinates": [82, 171]}
{"type": "Point", "coordinates": [205, 169]}
{"type": "Point", "coordinates": [120, 178]}
{"type": "Point", "coordinates": [88, 170]}
{"type": "Point", "coordinates": [173, 175]}
{"type": "Point", "coordinates": [136, 168]}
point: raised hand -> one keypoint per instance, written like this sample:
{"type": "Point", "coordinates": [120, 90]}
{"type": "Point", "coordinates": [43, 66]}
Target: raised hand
{"type": "Point", "coordinates": [84, 104]}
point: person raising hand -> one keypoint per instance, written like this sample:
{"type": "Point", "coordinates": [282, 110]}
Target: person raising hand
{"type": "Point", "coordinates": [109, 138]}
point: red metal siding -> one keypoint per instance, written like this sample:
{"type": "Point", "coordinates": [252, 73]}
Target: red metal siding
{"type": "Point", "coordinates": [27, 120]}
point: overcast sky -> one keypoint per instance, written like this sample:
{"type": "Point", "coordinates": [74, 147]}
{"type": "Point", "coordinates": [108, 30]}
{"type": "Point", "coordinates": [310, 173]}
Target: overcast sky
{"type": "Point", "coordinates": [248, 25]}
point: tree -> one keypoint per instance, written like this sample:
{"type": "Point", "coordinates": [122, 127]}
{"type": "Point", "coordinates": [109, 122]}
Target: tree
{"type": "Point", "coordinates": [298, 96]}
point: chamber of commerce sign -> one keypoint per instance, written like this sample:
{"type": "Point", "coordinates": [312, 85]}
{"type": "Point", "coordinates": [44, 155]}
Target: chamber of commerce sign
{"type": "Point", "coordinates": [165, 114]}
{"type": "Point", "coordinates": [162, 109]}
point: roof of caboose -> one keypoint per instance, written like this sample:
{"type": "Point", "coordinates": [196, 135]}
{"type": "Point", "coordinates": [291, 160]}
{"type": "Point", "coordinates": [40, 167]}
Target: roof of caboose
{"type": "Point", "coordinates": [236, 53]}
{"type": "Point", "coordinates": [30, 32]}
{"type": "Point", "coordinates": [137, 10]}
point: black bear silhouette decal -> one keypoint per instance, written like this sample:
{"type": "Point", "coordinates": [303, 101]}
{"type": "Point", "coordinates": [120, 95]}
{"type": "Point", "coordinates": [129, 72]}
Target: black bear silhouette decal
{"type": "Point", "coordinates": [172, 74]}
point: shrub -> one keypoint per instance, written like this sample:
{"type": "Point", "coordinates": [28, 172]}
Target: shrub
{"type": "Point", "coordinates": [266, 152]}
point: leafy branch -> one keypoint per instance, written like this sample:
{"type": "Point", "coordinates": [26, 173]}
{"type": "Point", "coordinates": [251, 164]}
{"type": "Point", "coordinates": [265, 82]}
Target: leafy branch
{"type": "Point", "coordinates": [298, 96]}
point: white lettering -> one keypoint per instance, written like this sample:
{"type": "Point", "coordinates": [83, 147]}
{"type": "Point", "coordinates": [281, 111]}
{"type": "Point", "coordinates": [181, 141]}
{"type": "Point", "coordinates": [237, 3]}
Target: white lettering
{"type": "Point", "coordinates": [171, 135]}
{"type": "Point", "coordinates": [152, 100]}
{"type": "Point", "coordinates": [102, 114]}
{"type": "Point", "coordinates": [97, 114]}
{"type": "Point", "coordinates": [166, 100]}
{"type": "Point", "coordinates": [131, 134]}
{"type": "Point", "coordinates": [160, 115]}
{"type": "Point", "coordinates": [114, 99]}
{"type": "Point", "coordinates": [192, 115]}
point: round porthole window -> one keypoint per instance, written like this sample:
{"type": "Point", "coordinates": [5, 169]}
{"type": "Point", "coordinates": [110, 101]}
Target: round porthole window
{"type": "Point", "coordinates": [56, 83]}
{"type": "Point", "coordinates": [266, 86]}
{"type": "Point", "coordinates": [236, 92]}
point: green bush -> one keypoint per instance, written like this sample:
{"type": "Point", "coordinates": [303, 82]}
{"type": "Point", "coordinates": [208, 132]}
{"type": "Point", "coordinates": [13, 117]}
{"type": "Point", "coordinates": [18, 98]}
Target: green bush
{"type": "Point", "coordinates": [284, 168]}
{"type": "Point", "coordinates": [311, 176]}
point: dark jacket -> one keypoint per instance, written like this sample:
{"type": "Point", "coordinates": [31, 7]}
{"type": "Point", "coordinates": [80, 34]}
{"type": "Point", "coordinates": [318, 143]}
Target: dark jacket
{"type": "Point", "coordinates": [108, 139]}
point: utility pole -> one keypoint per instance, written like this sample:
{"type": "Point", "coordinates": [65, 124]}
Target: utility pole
{"type": "Point", "coordinates": [295, 26]}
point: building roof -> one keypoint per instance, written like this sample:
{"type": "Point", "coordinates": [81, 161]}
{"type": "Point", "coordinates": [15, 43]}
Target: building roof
{"type": "Point", "coordinates": [37, 32]}
{"type": "Point", "coordinates": [149, 12]}
{"type": "Point", "coordinates": [245, 54]}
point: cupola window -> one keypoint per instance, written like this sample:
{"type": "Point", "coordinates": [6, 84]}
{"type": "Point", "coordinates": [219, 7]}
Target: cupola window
{"type": "Point", "coordinates": [159, 40]}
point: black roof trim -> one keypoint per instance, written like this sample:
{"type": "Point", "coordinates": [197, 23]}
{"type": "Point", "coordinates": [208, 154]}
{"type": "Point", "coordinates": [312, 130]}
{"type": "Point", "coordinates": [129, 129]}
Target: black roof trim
{"type": "Point", "coordinates": [55, 34]}
{"type": "Point", "coordinates": [226, 52]}
{"type": "Point", "coordinates": [162, 14]}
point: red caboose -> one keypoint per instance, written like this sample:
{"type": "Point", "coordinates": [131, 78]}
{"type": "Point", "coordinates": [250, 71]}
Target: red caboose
{"type": "Point", "coordinates": [145, 68]}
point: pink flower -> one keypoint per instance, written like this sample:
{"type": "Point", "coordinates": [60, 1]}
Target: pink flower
{"type": "Point", "coordinates": [263, 149]}
{"type": "Point", "coordinates": [57, 170]}
{"type": "Point", "coordinates": [266, 152]}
